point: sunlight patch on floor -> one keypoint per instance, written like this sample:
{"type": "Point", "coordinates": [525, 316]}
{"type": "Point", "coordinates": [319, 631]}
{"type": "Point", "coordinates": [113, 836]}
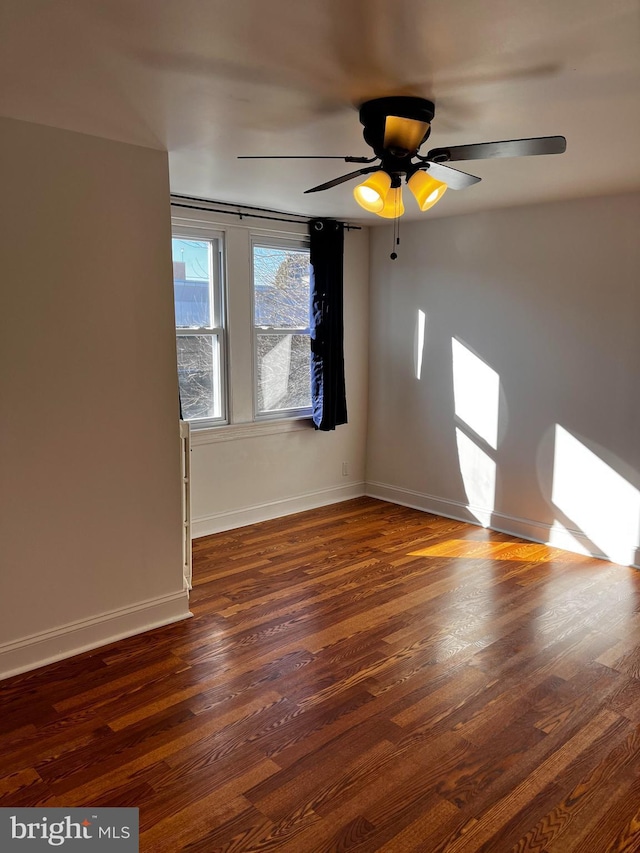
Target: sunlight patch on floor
{"type": "Point", "coordinates": [525, 552]}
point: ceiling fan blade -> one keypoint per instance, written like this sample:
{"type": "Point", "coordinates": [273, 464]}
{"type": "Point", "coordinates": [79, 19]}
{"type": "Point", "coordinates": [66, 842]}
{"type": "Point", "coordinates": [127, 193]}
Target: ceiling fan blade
{"type": "Point", "coordinates": [506, 148]}
{"type": "Point", "coordinates": [453, 178]}
{"type": "Point", "coordinates": [304, 157]}
{"type": "Point", "coordinates": [342, 179]}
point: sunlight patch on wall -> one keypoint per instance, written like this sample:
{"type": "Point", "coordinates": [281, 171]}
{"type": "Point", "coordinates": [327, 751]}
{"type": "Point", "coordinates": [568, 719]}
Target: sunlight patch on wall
{"type": "Point", "coordinates": [476, 391]}
{"type": "Point", "coordinates": [604, 505]}
{"type": "Point", "coordinates": [476, 394]}
{"type": "Point", "coordinates": [478, 472]}
{"type": "Point", "coordinates": [419, 342]}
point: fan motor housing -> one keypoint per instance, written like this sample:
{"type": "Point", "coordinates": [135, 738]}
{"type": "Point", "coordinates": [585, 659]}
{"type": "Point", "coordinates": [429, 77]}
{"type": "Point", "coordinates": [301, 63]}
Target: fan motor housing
{"type": "Point", "coordinates": [373, 116]}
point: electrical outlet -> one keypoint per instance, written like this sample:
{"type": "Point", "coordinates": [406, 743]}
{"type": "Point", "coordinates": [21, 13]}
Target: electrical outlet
{"type": "Point", "coordinates": [345, 469]}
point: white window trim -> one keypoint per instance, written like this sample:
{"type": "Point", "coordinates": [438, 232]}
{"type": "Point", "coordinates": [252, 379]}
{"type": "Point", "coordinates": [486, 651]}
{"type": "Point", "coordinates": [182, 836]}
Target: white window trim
{"type": "Point", "coordinates": [252, 429]}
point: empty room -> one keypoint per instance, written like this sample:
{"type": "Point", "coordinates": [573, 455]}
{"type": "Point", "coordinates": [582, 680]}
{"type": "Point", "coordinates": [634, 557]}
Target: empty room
{"type": "Point", "coordinates": [320, 426]}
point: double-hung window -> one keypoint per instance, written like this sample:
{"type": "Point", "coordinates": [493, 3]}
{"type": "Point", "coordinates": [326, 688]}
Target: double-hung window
{"type": "Point", "coordinates": [198, 292]}
{"type": "Point", "coordinates": [244, 348]}
{"type": "Point", "coordinates": [282, 349]}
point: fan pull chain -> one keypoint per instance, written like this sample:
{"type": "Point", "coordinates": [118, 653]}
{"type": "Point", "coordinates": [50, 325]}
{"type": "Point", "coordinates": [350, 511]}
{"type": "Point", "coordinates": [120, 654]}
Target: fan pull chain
{"type": "Point", "coordinates": [396, 232]}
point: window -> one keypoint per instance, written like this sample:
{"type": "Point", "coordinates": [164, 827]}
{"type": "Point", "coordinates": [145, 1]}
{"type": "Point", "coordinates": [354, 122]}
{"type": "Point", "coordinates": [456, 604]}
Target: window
{"type": "Point", "coordinates": [242, 323]}
{"type": "Point", "coordinates": [281, 327]}
{"type": "Point", "coordinates": [198, 293]}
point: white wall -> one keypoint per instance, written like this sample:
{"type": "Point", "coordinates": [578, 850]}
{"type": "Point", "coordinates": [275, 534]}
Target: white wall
{"type": "Point", "coordinates": [90, 516]}
{"type": "Point", "coordinates": [261, 474]}
{"type": "Point", "coordinates": [543, 302]}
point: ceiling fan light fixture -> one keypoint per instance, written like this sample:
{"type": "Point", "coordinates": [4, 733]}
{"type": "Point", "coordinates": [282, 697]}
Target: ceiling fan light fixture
{"type": "Point", "coordinates": [393, 206]}
{"type": "Point", "coordinates": [372, 193]}
{"type": "Point", "coordinates": [426, 190]}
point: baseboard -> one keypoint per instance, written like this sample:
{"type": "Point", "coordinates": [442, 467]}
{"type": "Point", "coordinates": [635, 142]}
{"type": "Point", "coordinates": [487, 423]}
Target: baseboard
{"type": "Point", "coordinates": [419, 500]}
{"type": "Point", "coordinates": [535, 531]}
{"type": "Point", "coordinates": [218, 523]}
{"type": "Point", "coordinates": [48, 647]}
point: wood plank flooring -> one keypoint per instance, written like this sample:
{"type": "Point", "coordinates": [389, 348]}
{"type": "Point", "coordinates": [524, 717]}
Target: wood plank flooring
{"type": "Point", "coordinates": [361, 677]}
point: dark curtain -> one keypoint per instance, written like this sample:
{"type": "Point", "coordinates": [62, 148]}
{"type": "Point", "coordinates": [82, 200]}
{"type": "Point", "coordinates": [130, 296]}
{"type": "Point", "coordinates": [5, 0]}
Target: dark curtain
{"type": "Point", "coordinates": [328, 398]}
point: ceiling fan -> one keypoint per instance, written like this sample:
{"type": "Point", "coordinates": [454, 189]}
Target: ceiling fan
{"type": "Point", "coordinates": [396, 127]}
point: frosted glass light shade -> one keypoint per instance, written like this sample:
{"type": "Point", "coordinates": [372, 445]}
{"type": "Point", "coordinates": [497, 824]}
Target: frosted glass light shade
{"type": "Point", "coordinates": [393, 206]}
{"type": "Point", "coordinates": [371, 194]}
{"type": "Point", "coordinates": [404, 133]}
{"type": "Point", "coordinates": [426, 190]}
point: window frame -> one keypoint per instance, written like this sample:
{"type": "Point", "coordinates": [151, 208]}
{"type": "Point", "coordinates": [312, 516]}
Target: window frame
{"type": "Point", "coordinates": [218, 312]}
{"type": "Point", "coordinates": [294, 243]}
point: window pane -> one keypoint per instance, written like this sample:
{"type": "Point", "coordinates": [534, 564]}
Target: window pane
{"type": "Point", "coordinates": [284, 377]}
{"type": "Point", "coordinates": [281, 284]}
{"type": "Point", "coordinates": [198, 371]}
{"type": "Point", "coordinates": [192, 282]}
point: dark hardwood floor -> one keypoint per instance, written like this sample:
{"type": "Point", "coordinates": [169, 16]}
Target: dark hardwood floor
{"type": "Point", "coordinates": [360, 677]}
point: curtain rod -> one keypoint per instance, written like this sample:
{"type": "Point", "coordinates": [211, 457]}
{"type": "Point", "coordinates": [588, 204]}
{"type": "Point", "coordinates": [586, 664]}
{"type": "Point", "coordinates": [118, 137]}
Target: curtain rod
{"type": "Point", "coordinates": [302, 221]}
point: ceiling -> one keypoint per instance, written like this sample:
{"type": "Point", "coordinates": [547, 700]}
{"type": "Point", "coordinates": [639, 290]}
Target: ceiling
{"type": "Point", "coordinates": [211, 79]}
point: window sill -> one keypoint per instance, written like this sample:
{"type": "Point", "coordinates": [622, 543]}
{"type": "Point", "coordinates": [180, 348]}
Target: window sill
{"type": "Point", "coordinates": [254, 429]}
